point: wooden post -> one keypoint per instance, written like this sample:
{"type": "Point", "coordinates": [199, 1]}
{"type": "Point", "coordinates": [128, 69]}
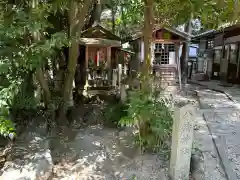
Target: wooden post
{"type": "Point", "coordinates": [238, 62]}
{"type": "Point", "coordinates": [114, 81]}
{"type": "Point", "coordinates": [87, 70]}
{"type": "Point", "coordinates": [108, 57]}
{"type": "Point", "coordinates": [86, 57]}
{"type": "Point", "coordinates": [178, 66]}
{"type": "Point", "coordinates": [109, 70]}
{"type": "Point", "coordinates": [119, 75]}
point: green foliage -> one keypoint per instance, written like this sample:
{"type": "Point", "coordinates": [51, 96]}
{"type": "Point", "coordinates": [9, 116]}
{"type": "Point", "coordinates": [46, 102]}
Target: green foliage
{"type": "Point", "coordinates": [152, 116]}
{"type": "Point", "coordinates": [7, 127]}
{"type": "Point", "coordinates": [114, 111]}
{"type": "Point", "coordinates": [21, 55]}
{"type": "Point", "coordinates": [211, 13]}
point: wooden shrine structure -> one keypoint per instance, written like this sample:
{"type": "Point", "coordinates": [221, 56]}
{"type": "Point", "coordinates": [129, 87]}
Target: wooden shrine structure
{"type": "Point", "coordinates": [100, 54]}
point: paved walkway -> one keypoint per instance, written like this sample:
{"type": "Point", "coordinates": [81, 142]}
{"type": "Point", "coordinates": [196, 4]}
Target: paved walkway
{"type": "Point", "coordinates": [222, 118]}
{"type": "Point", "coordinates": [231, 92]}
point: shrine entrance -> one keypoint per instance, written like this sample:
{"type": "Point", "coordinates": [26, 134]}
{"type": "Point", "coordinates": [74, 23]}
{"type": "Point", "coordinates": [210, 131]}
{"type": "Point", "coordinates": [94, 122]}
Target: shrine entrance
{"type": "Point", "coordinates": [99, 55]}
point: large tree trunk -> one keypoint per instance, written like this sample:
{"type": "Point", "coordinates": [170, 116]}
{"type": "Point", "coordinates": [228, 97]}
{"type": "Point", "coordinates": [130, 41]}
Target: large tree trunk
{"type": "Point", "coordinates": [113, 20]}
{"type": "Point", "coordinates": [59, 72]}
{"type": "Point", "coordinates": [44, 85]}
{"type": "Point", "coordinates": [98, 12]}
{"type": "Point", "coordinates": [91, 14]}
{"type": "Point", "coordinates": [185, 52]}
{"type": "Point", "coordinates": [148, 23]}
{"type": "Point", "coordinates": [39, 72]}
{"type": "Point", "coordinates": [77, 14]}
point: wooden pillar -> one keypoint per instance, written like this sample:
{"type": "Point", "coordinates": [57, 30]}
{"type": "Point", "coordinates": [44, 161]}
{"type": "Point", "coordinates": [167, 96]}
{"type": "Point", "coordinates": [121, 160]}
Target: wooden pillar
{"type": "Point", "coordinates": [177, 61]}
{"type": "Point", "coordinates": [86, 64]}
{"type": "Point", "coordinates": [115, 76]}
{"type": "Point", "coordinates": [119, 75]}
{"type": "Point", "coordinates": [86, 57]}
{"type": "Point", "coordinates": [108, 57]}
{"type": "Point", "coordinates": [109, 69]}
{"type": "Point", "coordinates": [238, 62]}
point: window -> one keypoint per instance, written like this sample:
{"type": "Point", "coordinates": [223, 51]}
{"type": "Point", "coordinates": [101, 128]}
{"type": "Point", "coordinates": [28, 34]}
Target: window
{"type": "Point", "coordinates": [162, 53]}
{"type": "Point", "coordinates": [162, 58]}
{"type": "Point", "coordinates": [209, 44]}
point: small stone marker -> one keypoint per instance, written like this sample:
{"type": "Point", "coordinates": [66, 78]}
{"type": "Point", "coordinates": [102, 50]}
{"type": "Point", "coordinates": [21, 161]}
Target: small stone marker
{"type": "Point", "coordinates": [119, 74]}
{"type": "Point", "coordinates": [182, 139]}
{"type": "Point", "coordinates": [125, 69]}
{"type": "Point", "coordinates": [123, 93]}
{"type": "Point", "coordinates": [114, 82]}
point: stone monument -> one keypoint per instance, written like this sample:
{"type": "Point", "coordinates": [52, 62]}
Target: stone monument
{"type": "Point", "coordinates": [119, 75]}
{"type": "Point", "coordinates": [182, 139]}
{"type": "Point", "coordinates": [123, 93]}
{"type": "Point", "coordinates": [114, 81]}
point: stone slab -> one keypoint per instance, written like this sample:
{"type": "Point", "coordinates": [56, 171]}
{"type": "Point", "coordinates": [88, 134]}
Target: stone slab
{"type": "Point", "coordinates": [224, 127]}
{"type": "Point", "coordinates": [208, 165]}
{"type": "Point", "coordinates": [182, 138]}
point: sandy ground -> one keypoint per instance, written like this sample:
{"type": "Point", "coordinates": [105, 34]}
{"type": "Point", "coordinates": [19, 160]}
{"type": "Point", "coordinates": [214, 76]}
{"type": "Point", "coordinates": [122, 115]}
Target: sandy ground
{"type": "Point", "coordinates": [97, 153]}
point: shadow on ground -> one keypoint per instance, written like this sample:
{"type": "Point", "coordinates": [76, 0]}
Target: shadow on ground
{"type": "Point", "coordinates": [96, 152]}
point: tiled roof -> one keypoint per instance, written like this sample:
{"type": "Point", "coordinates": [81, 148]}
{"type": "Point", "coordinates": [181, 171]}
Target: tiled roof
{"type": "Point", "coordinates": [206, 33]}
{"type": "Point", "coordinates": [170, 29]}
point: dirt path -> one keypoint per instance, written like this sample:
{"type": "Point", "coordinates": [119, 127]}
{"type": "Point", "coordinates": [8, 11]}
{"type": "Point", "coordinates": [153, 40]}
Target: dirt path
{"type": "Point", "coordinates": [102, 153]}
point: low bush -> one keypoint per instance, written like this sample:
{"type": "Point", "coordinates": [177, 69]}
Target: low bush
{"type": "Point", "coordinates": [152, 116]}
{"type": "Point", "coordinates": [113, 112]}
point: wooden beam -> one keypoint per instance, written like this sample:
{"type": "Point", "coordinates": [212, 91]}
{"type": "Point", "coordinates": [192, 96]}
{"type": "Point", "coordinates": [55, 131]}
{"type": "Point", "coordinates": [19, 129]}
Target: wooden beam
{"type": "Point", "coordinates": [99, 41]}
{"type": "Point", "coordinates": [166, 41]}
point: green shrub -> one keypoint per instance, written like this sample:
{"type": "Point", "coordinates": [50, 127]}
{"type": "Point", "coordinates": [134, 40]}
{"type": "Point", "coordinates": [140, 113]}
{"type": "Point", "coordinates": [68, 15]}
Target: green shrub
{"type": "Point", "coordinates": [7, 128]}
{"type": "Point", "coordinates": [152, 115]}
{"type": "Point", "coordinates": [113, 112]}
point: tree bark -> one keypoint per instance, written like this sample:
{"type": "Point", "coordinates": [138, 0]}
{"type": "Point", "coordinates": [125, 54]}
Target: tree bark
{"type": "Point", "coordinates": [39, 72]}
{"type": "Point", "coordinates": [98, 12]}
{"type": "Point", "coordinates": [77, 14]}
{"type": "Point", "coordinates": [91, 13]}
{"type": "Point", "coordinates": [148, 23]}
{"type": "Point", "coordinates": [185, 52]}
{"type": "Point", "coordinates": [44, 85]}
{"type": "Point", "coordinates": [113, 19]}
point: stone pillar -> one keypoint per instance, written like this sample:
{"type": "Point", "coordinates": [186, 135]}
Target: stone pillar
{"type": "Point", "coordinates": [109, 68]}
{"type": "Point", "coordinates": [123, 93]}
{"type": "Point", "coordinates": [114, 81]}
{"type": "Point", "coordinates": [119, 75]}
{"type": "Point", "coordinates": [182, 139]}
{"type": "Point", "coordinates": [125, 69]}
